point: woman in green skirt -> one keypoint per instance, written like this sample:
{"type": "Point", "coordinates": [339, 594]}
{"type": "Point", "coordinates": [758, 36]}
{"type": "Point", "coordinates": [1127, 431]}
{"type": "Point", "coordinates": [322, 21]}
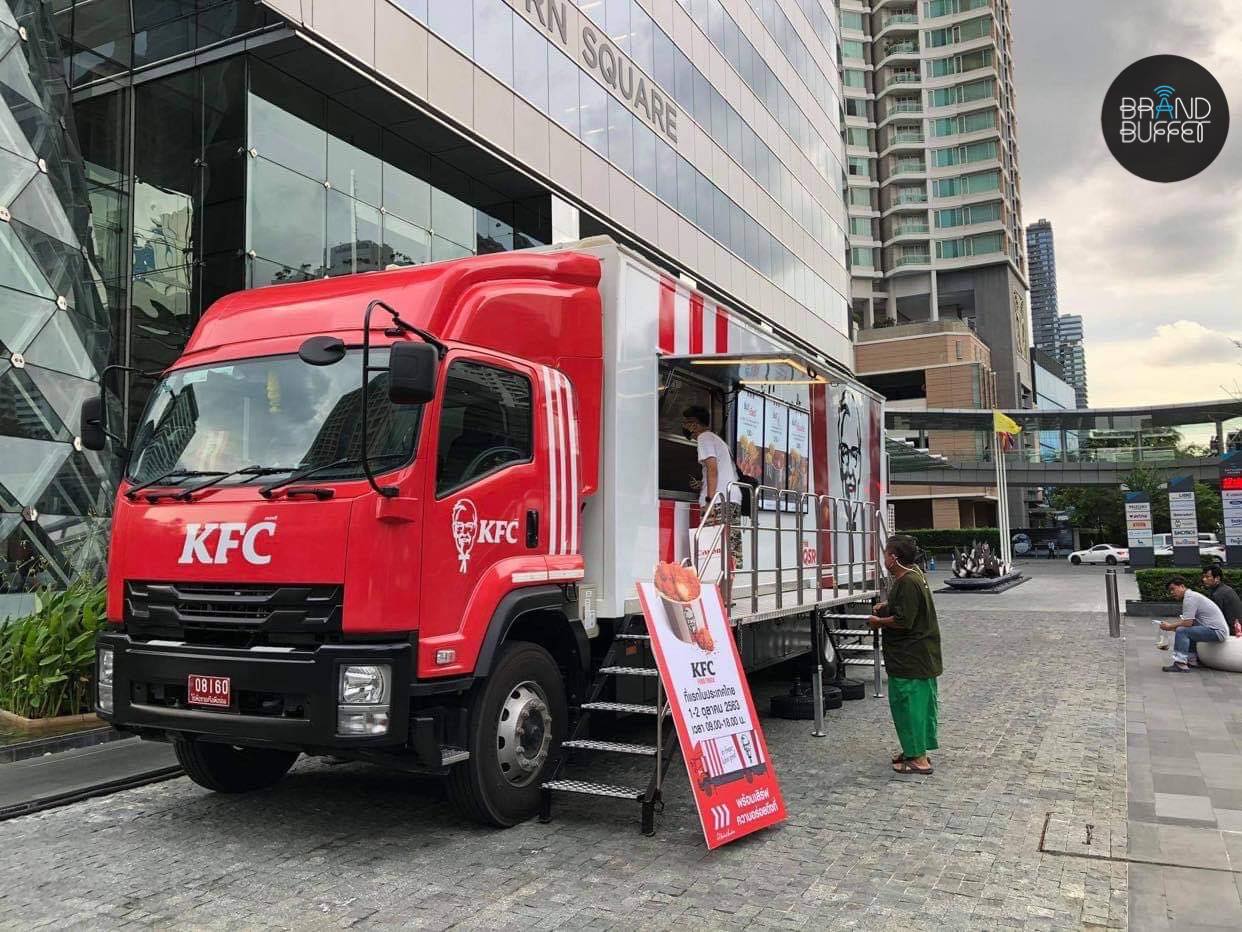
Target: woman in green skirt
{"type": "Point", "coordinates": [911, 647]}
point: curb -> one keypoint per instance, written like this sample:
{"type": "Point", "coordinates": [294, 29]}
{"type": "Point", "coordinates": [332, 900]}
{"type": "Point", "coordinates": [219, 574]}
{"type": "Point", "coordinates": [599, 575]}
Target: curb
{"type": "Point", "coordinates": [99, 789]}
{"type": "Point", "coordinates": [37, 747]}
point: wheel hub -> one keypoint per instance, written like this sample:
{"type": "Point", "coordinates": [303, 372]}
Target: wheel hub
{"type": "Point", "coordinates": [523, 734]}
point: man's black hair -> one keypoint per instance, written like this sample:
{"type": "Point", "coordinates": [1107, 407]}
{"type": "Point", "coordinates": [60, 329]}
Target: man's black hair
{"type": "Point", "coordinates": [698, 413]}
{"type": "Point", "coordinates": [1176, 581]}
{"type": "Point", "coordinates": [905, 548]}
{"type": "Point", "coordinates": [1213, 571]}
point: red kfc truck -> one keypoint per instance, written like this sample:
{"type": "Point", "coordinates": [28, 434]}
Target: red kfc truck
{"type": "Point", "coordinates": [399, 516]}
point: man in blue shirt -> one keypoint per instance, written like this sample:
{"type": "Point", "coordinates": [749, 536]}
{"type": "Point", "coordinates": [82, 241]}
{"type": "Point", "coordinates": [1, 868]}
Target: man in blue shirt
{"type": "Point", "coordinates": [1201, 620]}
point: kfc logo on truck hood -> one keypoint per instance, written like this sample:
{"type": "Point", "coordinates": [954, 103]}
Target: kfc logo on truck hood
{"type": "Point", "coordinates": [468, 529]}
{"type": "Point", "coordinates": [200, 547]}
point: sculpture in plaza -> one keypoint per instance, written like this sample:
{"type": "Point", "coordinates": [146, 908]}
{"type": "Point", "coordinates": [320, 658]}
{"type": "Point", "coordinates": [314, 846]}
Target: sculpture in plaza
{"type": "Point", "coordinates": [979, 562]}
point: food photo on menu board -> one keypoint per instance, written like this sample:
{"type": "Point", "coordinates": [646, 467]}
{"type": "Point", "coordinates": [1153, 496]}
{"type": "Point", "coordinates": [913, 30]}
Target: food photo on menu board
{"type": "Point", "coordinates": [799, 449]}
{"type": "Point", "coordinates": [750, 434]}
{"type": "Point", "coordinates": [775, 443]}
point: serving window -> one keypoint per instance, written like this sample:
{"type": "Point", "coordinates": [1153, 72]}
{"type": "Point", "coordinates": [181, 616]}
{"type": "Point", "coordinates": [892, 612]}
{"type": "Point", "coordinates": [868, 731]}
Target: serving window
{"type": "Point", "coordinates": [678, 455]}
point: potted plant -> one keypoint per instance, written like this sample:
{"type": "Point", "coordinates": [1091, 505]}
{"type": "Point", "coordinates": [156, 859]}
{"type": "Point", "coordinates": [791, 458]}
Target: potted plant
{"type": "Point", "coordinates": [47, 659]}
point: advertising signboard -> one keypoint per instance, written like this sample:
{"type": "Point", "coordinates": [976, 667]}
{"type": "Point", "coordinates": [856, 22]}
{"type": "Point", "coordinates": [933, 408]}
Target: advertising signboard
{"type": "Point", "coordinates": [1231, 499]}
{"type": "Point", "coordinates": [775, 443]}
{"type": "Point", "coordinates": [1184, 523]}
{"type": "Point", "coordinates": [1138, 529]}
{"type": "Point", "coordinates": [731, 776]}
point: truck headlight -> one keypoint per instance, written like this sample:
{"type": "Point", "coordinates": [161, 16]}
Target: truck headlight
{"type": "Point", "coordinates": [103, 679]}
{"type": "Point", "coordinates": [362, 700]}
{"type": "Point", "coordinates": [365, 685]}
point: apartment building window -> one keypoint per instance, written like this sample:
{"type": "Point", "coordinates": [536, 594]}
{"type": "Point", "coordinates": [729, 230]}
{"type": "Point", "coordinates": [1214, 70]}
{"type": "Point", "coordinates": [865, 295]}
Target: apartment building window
{"type": "Point", "coordinates": [855, 77]}
{"type": "Point", "coordinates": [860, 197]}
{"type": "Point", "coordinates": [860, 226]}
{"type": "Point", "coordinates": [856, 107]}
{"type": "Point", "coordinates": [959, 64]}
{"type": "Point", "coordinates": [973, 213]}
{"type": "Point", "coordinates": [963, 93]}
{"type": "Point", "coordinates": [960, 155]}
{"type": "Point", "coordinates": [981, 245]}
{"type": "Point", "coordinates": [862, 258]}
{"type": "Point", "coordinates": [936, 8]}
{"type": "Point", "coordinates": [857, 136]}
{"type": "Point", "coordinates": [852, 48]}
{"type": "Point", "coordinates": [852, 21]}
{"type": "Point", "coordinates": [974, 122]}
{"type": "Point", "coordinates": [962, 32]}
{"type": "Point", "coordinates": [859, 167]}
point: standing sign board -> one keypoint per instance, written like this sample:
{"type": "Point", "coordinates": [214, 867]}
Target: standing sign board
{"type": "Point", "coordinates": [1185, 526]}
{"type": "Point", "coordinates": [735, 788]}
{"type": "Point", "coordinates": [1138, 529]}
{"type": "Point", "coordinates": [1231, 496]}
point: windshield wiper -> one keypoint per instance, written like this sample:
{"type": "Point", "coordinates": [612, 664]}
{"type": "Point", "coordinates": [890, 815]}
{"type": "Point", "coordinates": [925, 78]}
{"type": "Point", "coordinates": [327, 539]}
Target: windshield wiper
{"type": "Point", "coordinates": [179, 473]}
{"type": "Point", "coordinates": [267, 490]}
{"type": "Point", "coordinates": [185, 495]}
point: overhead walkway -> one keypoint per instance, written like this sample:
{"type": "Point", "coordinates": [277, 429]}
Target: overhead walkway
{"type": "Point", "coordinates": [1072, 462]}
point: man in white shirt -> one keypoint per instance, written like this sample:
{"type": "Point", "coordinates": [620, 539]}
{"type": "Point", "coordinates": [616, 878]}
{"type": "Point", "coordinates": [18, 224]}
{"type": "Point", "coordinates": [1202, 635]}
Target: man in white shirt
{"type": "Point", "coordinates": [1201, 620]}
{"type": "Point", "coordinates": [719, 475]}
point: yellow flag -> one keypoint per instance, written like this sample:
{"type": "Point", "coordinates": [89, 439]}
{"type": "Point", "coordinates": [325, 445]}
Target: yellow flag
{"type": "Point", "coordinates": [1004, 424]}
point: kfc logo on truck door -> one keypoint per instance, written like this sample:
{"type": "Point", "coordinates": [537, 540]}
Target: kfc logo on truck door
{"type": "Point", "coordinates": [468, 530]}
{"type": "Point", "coordinates": [229, 536]}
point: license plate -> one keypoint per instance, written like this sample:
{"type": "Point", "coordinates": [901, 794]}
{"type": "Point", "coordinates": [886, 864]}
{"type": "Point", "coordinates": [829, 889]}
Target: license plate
{"type": "Point", "coordinates": [213, 691]}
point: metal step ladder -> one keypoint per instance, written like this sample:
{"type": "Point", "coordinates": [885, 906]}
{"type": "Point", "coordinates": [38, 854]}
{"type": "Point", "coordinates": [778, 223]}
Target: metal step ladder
{"type": "Point", "coordinates": [598, 711]}
{"type": "Point", "coordinates": [855, 644]}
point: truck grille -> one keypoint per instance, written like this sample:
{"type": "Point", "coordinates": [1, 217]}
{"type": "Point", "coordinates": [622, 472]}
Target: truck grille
{"type": "Point", "coordinates": [221, 615]}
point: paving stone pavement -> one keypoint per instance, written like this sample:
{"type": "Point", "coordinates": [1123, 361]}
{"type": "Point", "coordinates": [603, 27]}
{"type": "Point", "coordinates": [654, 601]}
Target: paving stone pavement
{"type": "Point", "coordinates": [1033, 735]}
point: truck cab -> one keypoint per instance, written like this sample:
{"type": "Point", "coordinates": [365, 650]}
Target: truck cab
{"type": "Point", "coordinates": [337, 533]}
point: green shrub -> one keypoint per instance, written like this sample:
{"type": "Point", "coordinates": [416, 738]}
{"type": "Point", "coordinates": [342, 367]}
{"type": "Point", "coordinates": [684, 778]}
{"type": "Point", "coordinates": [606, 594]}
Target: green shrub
{"type": "Point", "coordinates": [1153, 584]}
{"type": "Point", "coordinates": [47, 659]}
{"type": "Point", "coordinates": [943, 540]}
{"type": "Point", "coordinates": [1168, 562]}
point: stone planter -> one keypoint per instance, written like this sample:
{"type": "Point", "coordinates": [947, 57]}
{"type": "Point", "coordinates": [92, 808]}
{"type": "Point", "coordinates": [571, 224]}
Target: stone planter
{"type": "Point", "coordinates": [1140, 609]}
{"type": "Point", "coordinates": [43, 726]}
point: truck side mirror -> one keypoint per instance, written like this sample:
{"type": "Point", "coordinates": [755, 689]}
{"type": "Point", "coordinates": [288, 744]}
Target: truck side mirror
{"type": "Point", "coordinates": [412, 373]}
{"type": "Point", "coordinates": [93, 429]}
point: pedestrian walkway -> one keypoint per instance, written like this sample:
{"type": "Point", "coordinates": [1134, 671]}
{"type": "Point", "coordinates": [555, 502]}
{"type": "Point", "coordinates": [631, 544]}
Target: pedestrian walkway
{"type": "Point", "coordinates": [1033, 745]}
{"type": "Point", "coordinates": [1184, 738]}
{"type": "Point", "coordinates": [67, 776]}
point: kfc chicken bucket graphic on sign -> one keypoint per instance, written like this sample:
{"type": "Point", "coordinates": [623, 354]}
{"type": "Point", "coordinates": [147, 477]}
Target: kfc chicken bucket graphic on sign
{"type": "Point", "coordinates": [734, 785]}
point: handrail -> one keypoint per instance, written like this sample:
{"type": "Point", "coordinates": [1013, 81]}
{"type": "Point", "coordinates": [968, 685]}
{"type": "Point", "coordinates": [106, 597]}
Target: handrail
{"type": "Point", "coordinates": [848, 537]}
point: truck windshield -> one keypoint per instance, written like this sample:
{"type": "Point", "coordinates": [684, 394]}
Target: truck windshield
{"type": "Point", "coordinates": [276, 412]}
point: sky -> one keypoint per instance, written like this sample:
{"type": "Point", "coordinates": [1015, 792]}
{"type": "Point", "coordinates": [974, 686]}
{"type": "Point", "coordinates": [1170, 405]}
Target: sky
{"type": "Point", "coordinates": [1154, 269]}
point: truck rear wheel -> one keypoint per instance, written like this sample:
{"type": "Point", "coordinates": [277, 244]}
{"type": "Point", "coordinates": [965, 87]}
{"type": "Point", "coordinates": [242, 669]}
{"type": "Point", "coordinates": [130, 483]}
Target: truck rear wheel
{"type": "Point", "coordinates": [517, 720]}
{"type": "Point", "coordinates": [228, 769]}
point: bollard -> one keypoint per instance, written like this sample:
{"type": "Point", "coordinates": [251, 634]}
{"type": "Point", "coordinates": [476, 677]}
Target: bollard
{"type": "Point", "coordinates": [1114, 608]}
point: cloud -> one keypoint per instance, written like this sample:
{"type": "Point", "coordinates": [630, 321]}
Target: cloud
{"type": "Point", "coordinates": [1186, 342]}
{"type": "Point", "coordinates": [1155, 270]}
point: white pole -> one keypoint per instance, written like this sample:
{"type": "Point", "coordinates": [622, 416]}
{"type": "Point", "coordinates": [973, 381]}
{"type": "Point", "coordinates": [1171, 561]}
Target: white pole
{"type": "Point", "coordinates": [1000, 508]}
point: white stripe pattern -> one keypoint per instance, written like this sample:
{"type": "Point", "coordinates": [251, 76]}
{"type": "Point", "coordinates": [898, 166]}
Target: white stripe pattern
{"type": "Point", "coordinates": [553, 492]}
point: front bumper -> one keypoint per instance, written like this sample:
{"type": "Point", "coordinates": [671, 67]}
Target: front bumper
{"type": "Point", "coordinates": [280, 697]}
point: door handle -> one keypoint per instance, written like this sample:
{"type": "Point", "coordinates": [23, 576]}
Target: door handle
{"type": "Point", "coordinates": [532, 528]}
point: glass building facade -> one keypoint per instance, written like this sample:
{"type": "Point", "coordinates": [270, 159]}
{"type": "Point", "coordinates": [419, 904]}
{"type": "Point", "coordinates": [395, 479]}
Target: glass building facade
{"type": "Point", "coordinates": [226, 144]}
{"type": "Point", "coordinates": [54, 326]}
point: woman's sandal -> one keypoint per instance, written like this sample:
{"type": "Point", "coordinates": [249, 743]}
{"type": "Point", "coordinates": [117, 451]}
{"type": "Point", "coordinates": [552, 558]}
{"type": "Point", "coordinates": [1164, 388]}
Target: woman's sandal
{"type": "Point", "coordinates": [899, 757]}
{"type": "Point", "coordinates": [906, 767]}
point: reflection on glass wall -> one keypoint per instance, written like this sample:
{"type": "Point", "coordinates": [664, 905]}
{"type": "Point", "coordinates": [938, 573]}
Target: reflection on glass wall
{"type": "Point", "coordinates": [54, 322]}
{"type": "Point", "coordinates": [331, 193]}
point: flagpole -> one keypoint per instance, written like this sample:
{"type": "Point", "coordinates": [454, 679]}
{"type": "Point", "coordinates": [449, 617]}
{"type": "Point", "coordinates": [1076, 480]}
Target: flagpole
{"type": "Point", "coordinates": [1007, 538]}
{"type": "Point", "coordinates": [1000, 510]}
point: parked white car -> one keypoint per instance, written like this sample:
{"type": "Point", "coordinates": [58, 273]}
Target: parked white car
{"type": "Point", "coordinates": [1162, 545]}
{"type": "Point", "coordinates": [1101, 553]}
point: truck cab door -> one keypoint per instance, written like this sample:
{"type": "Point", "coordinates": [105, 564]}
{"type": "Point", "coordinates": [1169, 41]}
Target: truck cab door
{"type": "Point", "coordinates": [487, 488]}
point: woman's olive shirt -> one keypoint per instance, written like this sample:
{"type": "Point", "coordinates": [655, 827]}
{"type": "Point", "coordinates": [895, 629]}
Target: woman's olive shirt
{"type": "Point", "coordinates": [912, 645]}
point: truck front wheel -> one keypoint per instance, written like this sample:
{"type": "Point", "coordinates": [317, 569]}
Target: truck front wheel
{"type": "Point", "coordinates": [228, 769]}
{"type": "Point", "coordinates": [517, 720]}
